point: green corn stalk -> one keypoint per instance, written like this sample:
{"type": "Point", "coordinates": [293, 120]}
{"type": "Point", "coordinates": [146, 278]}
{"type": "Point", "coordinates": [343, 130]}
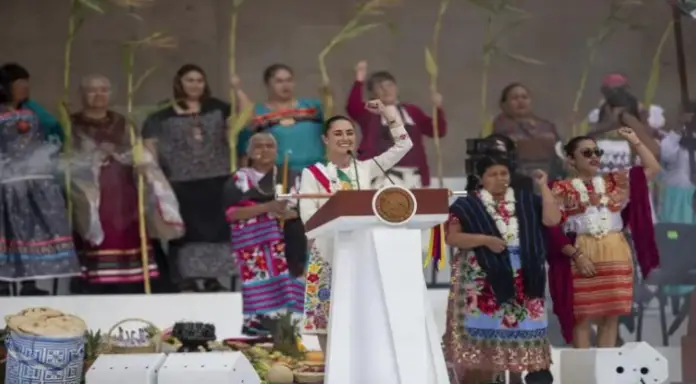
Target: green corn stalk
{"type": "Point", "coordinates": [237, 120]}
{"type": "Point", "coordinates": [157, 40]}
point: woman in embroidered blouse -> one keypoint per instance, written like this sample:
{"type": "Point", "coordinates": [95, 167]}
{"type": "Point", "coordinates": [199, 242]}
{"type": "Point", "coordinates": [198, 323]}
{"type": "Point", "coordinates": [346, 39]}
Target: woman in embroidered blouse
{"type": "Point", "coordinates": [591, 266]}
{"type": "Point", "coordinates": [340, 173]}
{"type": "Point", "coordinates": [496, 320]}
{"type": "Point", "coordinates": [296, 123]}
{"type": "Point", "coordinates": [269, 255]}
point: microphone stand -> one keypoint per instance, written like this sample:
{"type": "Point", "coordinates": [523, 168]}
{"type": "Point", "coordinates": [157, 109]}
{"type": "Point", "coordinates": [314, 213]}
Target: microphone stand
{"type": "Point", "coordinates": [355, 168]}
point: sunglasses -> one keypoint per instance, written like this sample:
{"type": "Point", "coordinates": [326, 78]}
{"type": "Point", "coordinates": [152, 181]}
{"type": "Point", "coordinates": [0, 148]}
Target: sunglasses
{"type": "Point", "coordinates": [588, 153]}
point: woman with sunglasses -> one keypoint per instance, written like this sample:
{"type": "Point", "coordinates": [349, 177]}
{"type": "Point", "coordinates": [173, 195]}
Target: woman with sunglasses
{"type": "Point", "coordinates": [590, 259]}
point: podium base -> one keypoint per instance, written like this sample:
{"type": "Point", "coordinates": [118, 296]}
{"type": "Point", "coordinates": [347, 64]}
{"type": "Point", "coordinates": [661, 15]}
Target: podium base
{"type": "Point", "coordinates": [381, 326]}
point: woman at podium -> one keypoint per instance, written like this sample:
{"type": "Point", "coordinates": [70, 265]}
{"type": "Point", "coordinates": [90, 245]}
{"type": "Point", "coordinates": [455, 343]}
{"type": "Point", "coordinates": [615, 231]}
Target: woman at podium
{"type": "Point", "coordinates": [496, 319]}
{"type": "Point", "coordinates": [268, 240]}
{"type": "Point", "coordinates": [341, 171]}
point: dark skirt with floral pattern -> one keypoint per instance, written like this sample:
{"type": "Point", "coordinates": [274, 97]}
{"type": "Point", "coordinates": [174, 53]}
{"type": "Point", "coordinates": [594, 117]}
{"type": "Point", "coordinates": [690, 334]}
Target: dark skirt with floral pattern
{"type": "Point", "coordinates": [484, 335]}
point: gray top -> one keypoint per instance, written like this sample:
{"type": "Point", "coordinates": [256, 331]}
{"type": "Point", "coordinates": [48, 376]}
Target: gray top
{"type": "Point", "coordinates": [191, 146]}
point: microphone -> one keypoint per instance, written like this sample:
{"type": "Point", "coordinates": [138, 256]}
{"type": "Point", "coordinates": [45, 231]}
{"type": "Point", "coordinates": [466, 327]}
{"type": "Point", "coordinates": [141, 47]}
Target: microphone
{"type": "Point", "coordinates": [355, 168]}
{"type": "Point", "coordinates": [384, 172]}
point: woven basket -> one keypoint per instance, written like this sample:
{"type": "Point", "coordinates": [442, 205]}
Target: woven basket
{"type": "Point", "coordinates": [112, 346]}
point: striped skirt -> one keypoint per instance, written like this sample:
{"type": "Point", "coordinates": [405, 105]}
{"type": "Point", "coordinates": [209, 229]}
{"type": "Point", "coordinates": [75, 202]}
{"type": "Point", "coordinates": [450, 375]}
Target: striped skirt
{"type": "Point", "coordinates": [268, 289]}
{"type": "Point", "coordinates": [610, 291]}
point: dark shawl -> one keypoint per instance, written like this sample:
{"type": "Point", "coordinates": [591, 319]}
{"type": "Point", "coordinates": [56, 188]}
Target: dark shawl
{"type": "Point", "coordinates": [475, 220]}
{"type": "Point", "coordinates": [293, 230]}
{"type": "Point", "coordinates": [636, 216]}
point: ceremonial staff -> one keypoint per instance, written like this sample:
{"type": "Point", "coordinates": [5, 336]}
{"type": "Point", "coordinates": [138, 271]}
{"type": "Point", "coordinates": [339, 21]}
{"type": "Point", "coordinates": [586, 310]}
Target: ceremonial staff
{"type": "Point", "coordinates": [286, 161]}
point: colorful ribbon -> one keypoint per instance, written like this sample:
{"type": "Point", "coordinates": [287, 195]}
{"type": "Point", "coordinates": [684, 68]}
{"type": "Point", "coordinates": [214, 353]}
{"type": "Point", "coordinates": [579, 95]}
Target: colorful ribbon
{"type": "Point", "coordinates": [436, 248]}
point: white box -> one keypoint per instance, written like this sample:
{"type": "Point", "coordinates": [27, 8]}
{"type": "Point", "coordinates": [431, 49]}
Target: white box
{"type": "Point", "coordinates": [131, 369]}
{"type": "Point", "coordinates": [208, 368]}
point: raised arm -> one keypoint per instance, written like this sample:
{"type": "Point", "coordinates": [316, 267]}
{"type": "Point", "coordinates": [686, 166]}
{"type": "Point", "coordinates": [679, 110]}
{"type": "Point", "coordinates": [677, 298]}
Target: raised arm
{"type": "Point", "coordinates": [243, 101]}
{"type": "Point", "coordinates": [355, 106]}
{"type": "Point", "coordinates": [425, 122]}
{"type": "Point", "coordinates": [402, 141]}
{"type": "Point", "coordinates": [642, 133]}
{"type": "Point", "coordinates": [647, 157]}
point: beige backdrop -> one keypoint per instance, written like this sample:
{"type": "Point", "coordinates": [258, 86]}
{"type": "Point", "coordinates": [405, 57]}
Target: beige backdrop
{"type": "Point", "coordinates": [294, 31]}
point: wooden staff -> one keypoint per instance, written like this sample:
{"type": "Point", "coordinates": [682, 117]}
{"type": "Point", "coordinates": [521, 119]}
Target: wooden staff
{"type": "Point", "coordinates": [286, 160]}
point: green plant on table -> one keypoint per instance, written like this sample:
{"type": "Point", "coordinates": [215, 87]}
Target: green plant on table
{"type": "Point", "coordinates": [94, 344]}
{"type": "Point", "coordinates": [284, 331]}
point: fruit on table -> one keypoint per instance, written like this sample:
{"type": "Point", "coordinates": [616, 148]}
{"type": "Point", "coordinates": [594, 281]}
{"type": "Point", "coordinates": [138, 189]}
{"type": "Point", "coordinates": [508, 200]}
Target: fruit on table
{"type": "Point", "coordinates": [280, 374]}
{"type": "Point", "coordinates": [314, 356]}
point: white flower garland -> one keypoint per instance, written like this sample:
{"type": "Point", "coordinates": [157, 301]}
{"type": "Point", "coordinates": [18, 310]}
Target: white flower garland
{"type": "Point", "coordinates": [597, 222]}
{"type": "Point", "coordinates": [510, 230]}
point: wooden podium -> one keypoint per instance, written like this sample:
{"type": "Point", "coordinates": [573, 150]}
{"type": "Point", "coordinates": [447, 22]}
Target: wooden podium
{"type": "Point", "coordinates": [381, 326]}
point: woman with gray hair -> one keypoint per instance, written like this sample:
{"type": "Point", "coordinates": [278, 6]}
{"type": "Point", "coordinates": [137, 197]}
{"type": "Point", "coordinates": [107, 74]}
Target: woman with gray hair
{"type": "Point", "coordinates": [268, 240]}
{"type": "Point", "coordinates": [110, 256]}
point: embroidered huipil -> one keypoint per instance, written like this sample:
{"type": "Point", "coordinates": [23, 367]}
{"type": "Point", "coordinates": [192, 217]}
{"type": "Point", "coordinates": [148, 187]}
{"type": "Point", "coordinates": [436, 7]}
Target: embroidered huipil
{"type": "Point", "coordinates": [314, 178]}
{"type": "Point", "coordinates": [323, 178]}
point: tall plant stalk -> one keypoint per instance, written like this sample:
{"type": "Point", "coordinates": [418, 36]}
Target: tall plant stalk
{"type": "Point", "coordinates": [432, 67]}
{"type": "Point", "coordinates": [156, 40]}
{"type": "Point", "coordinates": [351, 30]}
{"type": "Point", "coordinates": [237, 118]}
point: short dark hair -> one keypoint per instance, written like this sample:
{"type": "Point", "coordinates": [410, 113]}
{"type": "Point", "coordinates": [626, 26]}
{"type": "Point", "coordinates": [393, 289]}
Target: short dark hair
{"type": "Point", "coordinates": [379, 77]}
{"type": "Point", "coordinates": [271, 70]}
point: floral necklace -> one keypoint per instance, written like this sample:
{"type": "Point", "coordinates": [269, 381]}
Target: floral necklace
{"type": "Point", "coordinates": [503, 213]}
{"type": "Point", "coordinates": [597, 222]}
